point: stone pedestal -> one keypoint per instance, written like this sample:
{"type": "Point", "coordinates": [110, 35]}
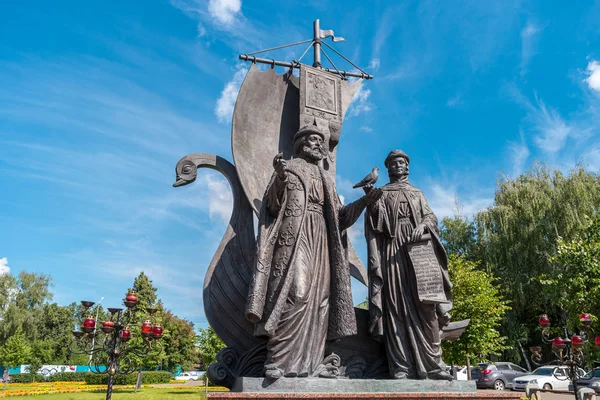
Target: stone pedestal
{"type": "Point", "coordinates": [321, 385]}
{"type": "Point", "coordinates": [480, 395]}
{"type": "Point", "coordinates": [354, 389]}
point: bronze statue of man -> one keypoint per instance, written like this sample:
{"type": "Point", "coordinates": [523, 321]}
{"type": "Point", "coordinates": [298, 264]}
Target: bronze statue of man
{"type": "Point", "coordinates": [300, 292]}
{"type": "Point", "coordinates": [409, 327]}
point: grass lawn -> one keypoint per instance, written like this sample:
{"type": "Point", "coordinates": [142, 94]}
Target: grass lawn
{"type": "Point", "coordinates": [127, 394]}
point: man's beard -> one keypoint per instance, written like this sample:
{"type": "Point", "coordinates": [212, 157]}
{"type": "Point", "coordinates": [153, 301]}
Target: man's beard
{"type": "Point", "coordinates": [400, 177]}
{"type": "Point", "coordinates": [316, 154]}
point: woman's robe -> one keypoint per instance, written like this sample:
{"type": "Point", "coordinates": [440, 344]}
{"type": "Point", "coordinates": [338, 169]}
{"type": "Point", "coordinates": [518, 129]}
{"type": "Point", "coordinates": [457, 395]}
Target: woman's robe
{"type": "Point", "coordinates": [409, 327]}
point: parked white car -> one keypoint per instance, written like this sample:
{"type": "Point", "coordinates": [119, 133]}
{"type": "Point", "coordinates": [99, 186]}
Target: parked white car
{"type": "Point", "coordinates": [186, 376]}
{"type": "Point", "coordinates": [461, 373]}
{"type": "Point", "coordinates": [547, 377]}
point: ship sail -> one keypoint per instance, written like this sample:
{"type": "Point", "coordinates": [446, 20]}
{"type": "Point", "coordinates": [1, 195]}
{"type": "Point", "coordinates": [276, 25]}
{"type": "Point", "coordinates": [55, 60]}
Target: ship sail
{"type": "Point", "coordinates": [265, 119]}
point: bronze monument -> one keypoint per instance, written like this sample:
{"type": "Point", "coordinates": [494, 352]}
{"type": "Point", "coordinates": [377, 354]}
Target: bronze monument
{"type": "Point", "coordinates": [409, 299]}
{"type": "Point", "coordinates": [281, 299]}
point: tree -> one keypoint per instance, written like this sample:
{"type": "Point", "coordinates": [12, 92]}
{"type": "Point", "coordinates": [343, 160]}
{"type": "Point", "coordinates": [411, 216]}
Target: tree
{"type": "Point", "coordinates": [178, 340]}
{"type": "Point", "coordinates": [146, 292]}
{"type": "Point", "coordinates": [574, 283]}
{"type": "Point", "coordinates": [458, 236]}
{"type": "Point", "coordinates": [476, 297]}
{"type": "Point", "coordinates": [179, 343]}
{"type": "Point", "coordinates": [209, 344]}
{"type": "Point", "coordinates": [519, 233]}
{"type": "Point", "coordinates": [19, 298]}
{"type": "Point", "coordinates": [15, 351]}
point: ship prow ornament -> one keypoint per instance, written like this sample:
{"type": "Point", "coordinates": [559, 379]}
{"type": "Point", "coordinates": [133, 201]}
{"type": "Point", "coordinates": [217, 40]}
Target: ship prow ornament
{"type": "Point", "coordinates": [270, 109]}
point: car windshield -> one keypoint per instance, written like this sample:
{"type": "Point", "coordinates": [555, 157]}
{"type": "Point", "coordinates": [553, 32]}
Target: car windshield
{"type": "Point", "coordinates": [595, 373]}
{"type": "Point", "coordinates": [543, 371]}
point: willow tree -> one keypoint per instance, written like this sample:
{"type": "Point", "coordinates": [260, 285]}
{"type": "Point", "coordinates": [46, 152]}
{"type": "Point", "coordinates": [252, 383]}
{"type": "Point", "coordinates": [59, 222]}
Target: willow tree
{"type": "Point", "coordinates": [518, 235]}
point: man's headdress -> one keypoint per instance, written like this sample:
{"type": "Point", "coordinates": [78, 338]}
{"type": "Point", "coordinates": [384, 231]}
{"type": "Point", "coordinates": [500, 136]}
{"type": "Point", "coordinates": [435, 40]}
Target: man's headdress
{"type": "Point", "coordinates": [306, 130]}
{"type": "Point", "coordinates": [395, 154]}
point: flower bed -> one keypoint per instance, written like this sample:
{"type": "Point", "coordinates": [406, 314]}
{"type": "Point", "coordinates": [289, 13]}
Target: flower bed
{"type": "Point", "coordinates": [39, 388]}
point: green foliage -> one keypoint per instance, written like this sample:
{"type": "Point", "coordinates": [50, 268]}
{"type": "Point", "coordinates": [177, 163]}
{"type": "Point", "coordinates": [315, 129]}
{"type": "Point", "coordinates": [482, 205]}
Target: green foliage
{"type": "Point", "coordinates": [67, 377]}
{"type": "Point", "coordinates": [475, 297]}
{"type": "Point", "coordinates": [146, 292]}
{"type": "Point", "coordinates": [27, 378]}
{"type": "Point", "coordinates": [15, 351]}
{"type": "Point", "coordinates": [458, 236]}
{"type": "Point", "coordinates": [148, 377]}
{"type": "Point", "coordinates": [179, 343]}
{"type": "Point", "coordinates": [33, 290]}
{"type": "Point", "coordinates": [364, 305]}
{"type": "Point", "coordinates": [574, 282]}
{"type": "Point", "coordinates": [519, 233]}
{"type": "Point", "coordinates": [209, 344]}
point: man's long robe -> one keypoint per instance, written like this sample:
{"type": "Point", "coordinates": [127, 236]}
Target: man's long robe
{"type": "Point", "coordinates": [300, 294]}
{"type": "Point", "coordinates": [409, 327]}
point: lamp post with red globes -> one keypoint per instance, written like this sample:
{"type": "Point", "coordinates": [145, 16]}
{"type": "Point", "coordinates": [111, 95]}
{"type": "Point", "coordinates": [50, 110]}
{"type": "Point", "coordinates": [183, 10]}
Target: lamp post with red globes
{"type": "Point", "coordinates": [109, 348]}
{"type": "Point", "coordinates": [568, 350]}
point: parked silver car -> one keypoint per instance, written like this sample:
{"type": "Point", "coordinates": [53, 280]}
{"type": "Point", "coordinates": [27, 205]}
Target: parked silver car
{"type": "Point", "coordinates": [497, 376]}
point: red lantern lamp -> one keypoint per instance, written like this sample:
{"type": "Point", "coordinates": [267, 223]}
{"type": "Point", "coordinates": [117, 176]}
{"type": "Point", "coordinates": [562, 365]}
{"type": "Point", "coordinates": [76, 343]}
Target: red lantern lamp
{"type": "Point", "coordinates": [577, 341]}
{"type": "Point", "coordinates": [108, 326]}
{"type": "Point", "coordinates": [147, 328]}
{"type": "Point", "coordinates": [558, 343]}
{"type": "Point", "coordinates": [157, 331]}
{"type": "Point", "coordinates": [125, 334]}
{"type": "Point", "coordinates": [89, 324]}
{"type": "Point", "coordinates": [597, 341]}
{"type": "Point", "coordinates": [585, 319]}
{"type": "Point", "coordinates": [131, 299]}
{"type": "Point", "coordinates": [544, 321]}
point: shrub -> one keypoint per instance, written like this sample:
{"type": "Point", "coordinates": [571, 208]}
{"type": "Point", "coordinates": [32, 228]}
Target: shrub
{"type": "Point", "coordinates": [27, 378]}
{"type": "Point", "coordinates": [67, 377]}
{"type": "Point", "coordinates": [148, 377]}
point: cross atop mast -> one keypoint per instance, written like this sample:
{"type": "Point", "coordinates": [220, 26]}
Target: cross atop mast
{"type": "Point", "coordinates": [316, 43]}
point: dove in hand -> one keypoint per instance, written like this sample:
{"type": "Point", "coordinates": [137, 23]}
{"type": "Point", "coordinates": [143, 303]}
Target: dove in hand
{"type": "Point", "coordinates": [368, 180]}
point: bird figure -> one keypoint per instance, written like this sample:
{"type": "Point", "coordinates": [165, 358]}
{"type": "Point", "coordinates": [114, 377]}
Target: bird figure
{"type": "Point", "coordinates": [368, 180]}
{"type": "Point", "coordinates": [186, 172]}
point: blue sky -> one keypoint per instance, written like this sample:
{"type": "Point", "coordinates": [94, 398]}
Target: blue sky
{"type": "Point", "coordinates": [98, 101]}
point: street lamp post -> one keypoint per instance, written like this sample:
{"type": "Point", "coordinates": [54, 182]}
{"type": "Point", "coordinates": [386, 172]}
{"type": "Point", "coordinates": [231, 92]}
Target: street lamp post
{"type": "Point", "coordinates": [94, 336]}
{"type": "Point", "coordinates": [109, 348]}
{"type": "Point", "coordinates": [568, 350]}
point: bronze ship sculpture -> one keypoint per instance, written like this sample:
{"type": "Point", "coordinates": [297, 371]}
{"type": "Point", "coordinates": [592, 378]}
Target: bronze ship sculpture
{"type": "Point", "coordinates": [269, 110]}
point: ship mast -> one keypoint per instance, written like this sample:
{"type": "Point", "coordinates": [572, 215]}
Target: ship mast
{"type": "Point", "coordinates": [317, 44]}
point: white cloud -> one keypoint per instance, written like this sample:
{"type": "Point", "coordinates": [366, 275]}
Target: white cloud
{"type": "Point", "coordinates": [374, 64]}
{"type": "Point", "coordinates": [519, 152]}
{"type": "Point", "coordinates": [4, 268]}
{"type": "Point", "coordinates": [224, 11]}
{"type": "Point", "coordinates": [366, 129]}
{"type": "Point", "coordinates": [201, 30]}
{"type": "Point", "coordinates": [445, 202]}
{"type": "Point", "coordinates": [591, 159]}
{"type": "Point", "coordinates": [220, 199]}
{"type": "Point", "coordinates": [455, 101]}
{"type": "Point", "coordinates": [226, 103]}
{"type": "Point", "coordinates": [356, 233]}
{"type": "Point", "coordinates": [593, 79]}
{"type": "Point", "coordinates": [360, 103]}
{"type": "Point", "coordinates": [550, 129]}
{"type": "Point", "coordinates": [529, 40]}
